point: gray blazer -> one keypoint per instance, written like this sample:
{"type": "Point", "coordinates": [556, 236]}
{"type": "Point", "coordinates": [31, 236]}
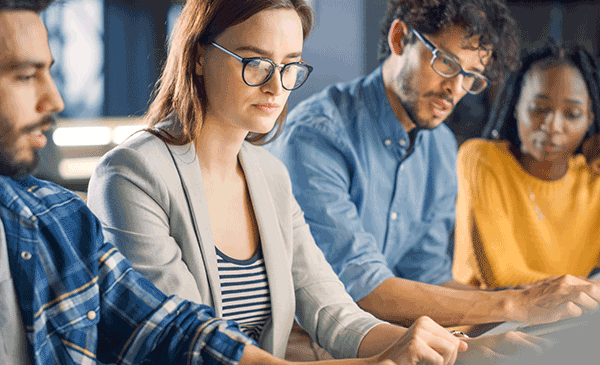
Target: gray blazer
{"type": "Point", "coordinates": [150, 199]}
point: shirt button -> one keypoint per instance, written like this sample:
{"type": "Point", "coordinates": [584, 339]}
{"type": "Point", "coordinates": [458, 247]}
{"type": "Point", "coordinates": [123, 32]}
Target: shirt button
{"type": "Point", "coordinates": [91, 315]}
{"type": "Point", "coordinates": [34, 218]}
{"type": "Point", "coordinates": [402, 143]}
{"type": "Point", "coordinates": [387, 142]}
{"type": "Point", "coordinates": [394, 216]}
{"type": "Point", "coordinates": [26, 255]}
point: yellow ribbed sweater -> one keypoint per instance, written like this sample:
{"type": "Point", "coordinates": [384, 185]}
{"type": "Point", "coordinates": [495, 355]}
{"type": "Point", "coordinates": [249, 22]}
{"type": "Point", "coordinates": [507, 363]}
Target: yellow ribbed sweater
{"type": "Point", "coordinates": [513, 228]}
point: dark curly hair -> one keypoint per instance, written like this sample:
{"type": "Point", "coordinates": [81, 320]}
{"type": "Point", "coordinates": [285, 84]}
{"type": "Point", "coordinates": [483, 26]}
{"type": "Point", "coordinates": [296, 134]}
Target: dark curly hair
{"type": "Point", "coordinates": [33, 5]}
{"type": "Point", "coordinates": [502, 124]}
{"type": "Point", "coordinates": [488, 19]}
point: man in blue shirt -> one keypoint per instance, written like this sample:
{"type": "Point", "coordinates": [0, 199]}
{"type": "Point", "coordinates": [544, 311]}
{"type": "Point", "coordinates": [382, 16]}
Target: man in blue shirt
{"type": "Point", "coordinates": [374, 169]}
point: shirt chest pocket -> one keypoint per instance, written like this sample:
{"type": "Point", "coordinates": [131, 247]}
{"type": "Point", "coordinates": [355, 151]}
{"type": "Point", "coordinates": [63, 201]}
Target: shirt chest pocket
{"type": "Point", "coordinates": [77, 311]}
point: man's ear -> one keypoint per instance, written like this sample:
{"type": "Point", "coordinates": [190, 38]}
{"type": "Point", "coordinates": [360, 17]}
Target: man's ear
{"type": "Point", "coordinates": [397, 36]}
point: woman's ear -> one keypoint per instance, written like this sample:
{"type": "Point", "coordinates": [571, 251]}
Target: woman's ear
{"type": "Point", "coordinates": [200, 57]}
{"type": "Point", "coordinates": [397, 37]}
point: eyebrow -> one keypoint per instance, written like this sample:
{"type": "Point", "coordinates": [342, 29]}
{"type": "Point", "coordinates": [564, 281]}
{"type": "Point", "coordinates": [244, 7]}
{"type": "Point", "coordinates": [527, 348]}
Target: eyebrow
{"type": "Point", "coordinates": [455, 57]}
{"type": "Point", "coordinates": [574, 101]}
{"type": "Point", "coordinates": [264, 53]}
{"type": "Point", "coordinates": [20, 65]}
{"type": "Point", "coordinates": [472, 70]}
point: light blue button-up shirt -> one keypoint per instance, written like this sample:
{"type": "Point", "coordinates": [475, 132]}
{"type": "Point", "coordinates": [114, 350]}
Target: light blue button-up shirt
{"type": "Point", "coordinates": [376, 207]}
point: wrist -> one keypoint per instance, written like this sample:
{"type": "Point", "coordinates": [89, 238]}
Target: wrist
{"type": "Point", "coordinates": [509, 305]}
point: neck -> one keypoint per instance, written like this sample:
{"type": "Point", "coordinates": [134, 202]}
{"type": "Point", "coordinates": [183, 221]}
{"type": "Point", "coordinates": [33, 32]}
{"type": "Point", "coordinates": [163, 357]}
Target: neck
{"type": "Point", "coordinates": [544, 170]}
{"type": "Point", "coordinates": [217, 148]}
{"type": "Point", "coordinates": [391, 84]}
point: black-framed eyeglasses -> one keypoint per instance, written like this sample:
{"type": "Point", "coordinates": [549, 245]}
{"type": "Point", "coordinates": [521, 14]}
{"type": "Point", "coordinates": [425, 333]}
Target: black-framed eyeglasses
{"type": "Point", "coordinates": [448, 67]}
{"type": "Point", "coordinates": [258, 70]}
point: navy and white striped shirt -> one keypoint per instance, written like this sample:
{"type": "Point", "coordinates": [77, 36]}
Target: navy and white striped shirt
{"type": "Point", "coordinates": [245, 292]}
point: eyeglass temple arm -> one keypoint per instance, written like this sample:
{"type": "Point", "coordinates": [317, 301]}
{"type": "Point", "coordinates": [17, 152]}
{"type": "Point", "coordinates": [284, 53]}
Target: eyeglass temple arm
{"type": "Point", "coordinates": [228, 52]}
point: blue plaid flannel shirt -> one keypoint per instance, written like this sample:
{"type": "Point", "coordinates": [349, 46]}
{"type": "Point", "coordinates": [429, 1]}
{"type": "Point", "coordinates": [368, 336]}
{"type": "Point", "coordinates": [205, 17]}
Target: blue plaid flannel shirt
{"type": "Point", "coordinates": [81, 301]}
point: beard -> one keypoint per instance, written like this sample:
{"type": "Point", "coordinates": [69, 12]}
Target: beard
{"type": "Point", "coordinates": [9, 166]}
{"type": "Point", "coordinates": [409, 96]}
{"type": "Point", "coordinates": [17, 170]}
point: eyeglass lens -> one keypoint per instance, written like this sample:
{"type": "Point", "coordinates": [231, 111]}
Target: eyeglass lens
{"type": "Point", "coordinates": [257, 72]}
{"type": "Point", "coordinates": [447, 67]}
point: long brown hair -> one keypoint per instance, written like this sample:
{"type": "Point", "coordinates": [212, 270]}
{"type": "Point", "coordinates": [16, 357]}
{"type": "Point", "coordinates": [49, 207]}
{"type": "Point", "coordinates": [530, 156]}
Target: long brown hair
{"type": "Point", "coordinates": [179, 91]}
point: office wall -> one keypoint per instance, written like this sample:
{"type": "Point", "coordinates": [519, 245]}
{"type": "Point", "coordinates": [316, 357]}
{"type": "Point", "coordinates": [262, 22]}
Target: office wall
{"type": "Point", "coordinates": [335, 45]}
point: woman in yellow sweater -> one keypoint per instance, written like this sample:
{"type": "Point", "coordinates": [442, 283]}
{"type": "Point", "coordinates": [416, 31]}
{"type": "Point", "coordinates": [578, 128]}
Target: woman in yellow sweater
{"type": "Point", "coordinates": [529, 199]}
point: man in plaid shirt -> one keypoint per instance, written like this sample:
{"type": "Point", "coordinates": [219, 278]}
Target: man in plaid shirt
{"type": "Point", "coordinates": [66, 296]}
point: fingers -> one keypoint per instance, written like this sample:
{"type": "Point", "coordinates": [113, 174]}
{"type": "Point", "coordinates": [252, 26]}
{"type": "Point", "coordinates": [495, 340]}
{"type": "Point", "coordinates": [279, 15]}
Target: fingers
{"type": "Point", "coordinates": [437, 339]}
{"type": "Point", "coordinates": [505, 346]}
{"type": "Point", "coordinates": [519, 343]}
{"type": "Point", "coordinates": [425, 341]}
{"type": "Point", "coordinates": [560, 298]}
{"type": "Point", "coordinates": [539, 342]}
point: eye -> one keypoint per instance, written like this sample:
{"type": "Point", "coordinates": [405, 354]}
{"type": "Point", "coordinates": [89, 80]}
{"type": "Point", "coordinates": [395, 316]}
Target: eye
{"type": "Point", "coordinates": [255, 63]}
{"type": "Point", "coordinates": [539, 109]}
{"type": "Point", "coordinates": [447, 61]}
{"type": "Point", "coordinates": [573, 114]}
{"type": "Point", "coordinates": [25, 78]}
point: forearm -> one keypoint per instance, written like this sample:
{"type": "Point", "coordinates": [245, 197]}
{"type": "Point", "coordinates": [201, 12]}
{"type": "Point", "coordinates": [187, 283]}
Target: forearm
{"type": "Point", "coordinates": [402, 301]}
{"type": "Point", "coordinates": [379, 338]}
{"type": "Point", "coordinates": [254, 355]}
{"type": "Point", "coordinates": [459, 286]}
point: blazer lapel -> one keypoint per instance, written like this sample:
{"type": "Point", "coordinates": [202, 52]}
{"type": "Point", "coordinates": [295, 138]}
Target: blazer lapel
{"type": "Point", "coordinates": [193, 186]}
{"type": "Point", "coordinates": [278, 275]}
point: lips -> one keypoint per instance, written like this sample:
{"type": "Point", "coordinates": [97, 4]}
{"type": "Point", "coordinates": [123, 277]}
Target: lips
{"type": "Point", "coordinates": [267, 107]}
{"type": "Point", "coordinates": [39, 139]}
{"type": "Point", "coordinates": [546, 145]}
{"type": "Point", "coordinates": [36, 131]}
{"type": "Point", "coordinates": [440, 107]}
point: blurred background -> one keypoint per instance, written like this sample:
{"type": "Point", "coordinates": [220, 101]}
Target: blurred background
{"type": "Point", "coordinates": [109, 54]}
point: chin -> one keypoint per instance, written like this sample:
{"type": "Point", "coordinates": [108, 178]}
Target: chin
{"type": "Point", "coordinates": [429, 124]}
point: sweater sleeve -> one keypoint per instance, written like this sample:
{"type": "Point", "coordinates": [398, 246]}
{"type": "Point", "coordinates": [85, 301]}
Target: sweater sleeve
{"type": "Point", "coordinates": [490, 213]}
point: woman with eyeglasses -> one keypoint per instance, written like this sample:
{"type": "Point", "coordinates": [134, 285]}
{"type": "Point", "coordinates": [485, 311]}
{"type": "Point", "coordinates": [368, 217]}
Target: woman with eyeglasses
{"type": "Point", "coordinates": [207, 214]}
{"type": "Point", "coordinates": [529, 195]}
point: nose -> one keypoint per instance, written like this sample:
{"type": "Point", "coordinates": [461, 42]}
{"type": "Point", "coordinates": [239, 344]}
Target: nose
{"type": "Point", "coordinates": [553, 122]}
{"type": "Point", "coordinates": [49, 99]}
{"type": "Point", "coordinates": [453, 85]}
{"type": "Point", "coordinates": [273, 86]}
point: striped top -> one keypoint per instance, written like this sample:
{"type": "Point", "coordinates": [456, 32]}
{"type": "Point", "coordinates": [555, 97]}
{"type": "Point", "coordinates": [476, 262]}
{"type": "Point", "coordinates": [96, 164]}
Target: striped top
{"type": "Point", "coordinates": [245, 292]}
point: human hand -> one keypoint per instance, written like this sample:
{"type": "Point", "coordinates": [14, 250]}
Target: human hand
{"type": "Point", "coordinates": [424, 342]}
{"type": "Point", "coordinates": [591, 151]}
{"type": "Point", "coordinates": [557, 298]}
{"type": "Point", "coordinates": [511, 346]}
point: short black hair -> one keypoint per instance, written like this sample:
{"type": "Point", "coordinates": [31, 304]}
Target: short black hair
{"type": "Point", "coordinates": [488, 19]}
{"type": "Point", "coordinates": [33, 5]}
{"type": "Point", "coordinates": [502, 124]}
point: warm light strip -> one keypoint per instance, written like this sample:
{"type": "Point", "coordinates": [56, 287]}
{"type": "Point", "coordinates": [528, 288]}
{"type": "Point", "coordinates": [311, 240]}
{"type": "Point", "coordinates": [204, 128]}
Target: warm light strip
{"type": "Point", "coordinates": [81, 136]}
{"type": "Point", "coordinates": [123, 132]}
{"type": "Point", "coordinates": [77, 168]}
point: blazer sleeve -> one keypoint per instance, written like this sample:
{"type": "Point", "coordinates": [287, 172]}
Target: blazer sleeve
{"type": "Point", "coordinates": [133, 203]}
{"type": "Point", "coordinates": [323, 307]}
